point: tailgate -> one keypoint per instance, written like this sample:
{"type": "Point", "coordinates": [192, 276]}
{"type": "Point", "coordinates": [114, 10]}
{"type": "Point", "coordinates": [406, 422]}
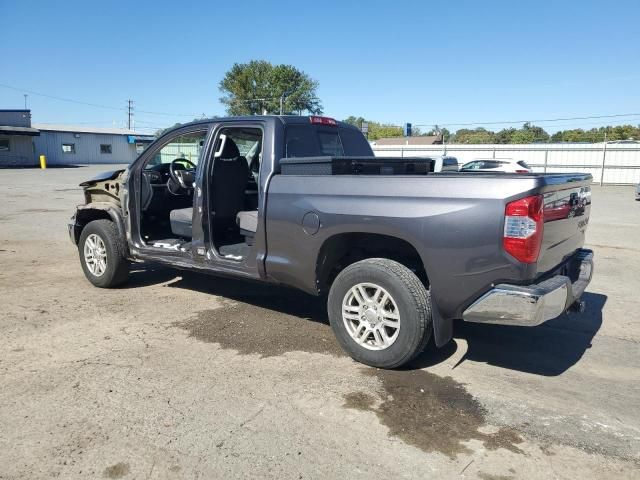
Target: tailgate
{"type": "Point", "coordinates": [566, 216]}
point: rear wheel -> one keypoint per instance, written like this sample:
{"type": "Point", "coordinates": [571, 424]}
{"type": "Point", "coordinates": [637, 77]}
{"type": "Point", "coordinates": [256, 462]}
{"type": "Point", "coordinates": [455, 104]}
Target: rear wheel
{"type": "Point", "coordinates": [102, 254]}
{"type": "Point", "coordinates": [380, 312]}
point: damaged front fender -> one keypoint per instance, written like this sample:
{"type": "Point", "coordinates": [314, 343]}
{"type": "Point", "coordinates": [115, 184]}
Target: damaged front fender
{"type": "Point", "coordinates": [102, 195]}
{"type": "Point", "coordinates": [96, 211]}
{"type": "Point", "coordinates": [105, 187]}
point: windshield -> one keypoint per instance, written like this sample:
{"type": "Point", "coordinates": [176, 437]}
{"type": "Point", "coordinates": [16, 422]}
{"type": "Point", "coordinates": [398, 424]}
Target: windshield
{"type": "Point", "coordinates": [185, 147]}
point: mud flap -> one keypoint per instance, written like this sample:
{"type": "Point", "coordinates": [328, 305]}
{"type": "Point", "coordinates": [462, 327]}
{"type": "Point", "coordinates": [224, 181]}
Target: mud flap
{"type": "Point", "coordinates": [442, 328]}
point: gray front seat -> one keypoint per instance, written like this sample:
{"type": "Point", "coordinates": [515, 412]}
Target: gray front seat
{"type": "Point", "coordinates": [229, 179]}
{"type": "Point", "coordinates": [181, 221]}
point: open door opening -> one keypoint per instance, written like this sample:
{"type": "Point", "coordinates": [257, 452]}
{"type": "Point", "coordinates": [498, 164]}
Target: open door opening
{"type": "Point", "coordinates": [167, 184]}
{"type": "Point", "coordinates": [233, 187]}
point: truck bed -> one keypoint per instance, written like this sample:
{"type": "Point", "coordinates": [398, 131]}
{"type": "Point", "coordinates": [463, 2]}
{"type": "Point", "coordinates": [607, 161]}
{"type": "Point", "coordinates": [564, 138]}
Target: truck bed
{"type": "Point", "coordinates": [455, 222]}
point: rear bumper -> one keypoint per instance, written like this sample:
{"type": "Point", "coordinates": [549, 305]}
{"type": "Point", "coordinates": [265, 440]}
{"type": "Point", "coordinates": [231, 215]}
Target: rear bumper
{"type": "Point", "coordinates": [534, 304]}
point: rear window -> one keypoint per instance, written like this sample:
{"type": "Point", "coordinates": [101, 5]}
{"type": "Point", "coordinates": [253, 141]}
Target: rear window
{"type": "Point", "coordinates": [330, 144]}
{"type": "Point", "coordinates": [523, 164]}
{"type": "Point", "coordinates": [449, 162]}
{"type": "Point", "coordinates": [493, 164]}
{"type": "Point", "coordinates": [315, 141]}
{"type": "Point", "coordinates": [354, 143]}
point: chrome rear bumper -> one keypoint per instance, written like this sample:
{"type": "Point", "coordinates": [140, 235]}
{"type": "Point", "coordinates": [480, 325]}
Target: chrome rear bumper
{"type": "Point", "coordinates": [532, 305]}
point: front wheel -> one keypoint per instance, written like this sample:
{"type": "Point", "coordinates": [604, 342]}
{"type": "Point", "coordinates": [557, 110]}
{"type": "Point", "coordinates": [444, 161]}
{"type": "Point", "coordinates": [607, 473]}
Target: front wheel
{"type": "Point", "coordinates": [102, 254]}
{"type": "Point", "coordinates": [380, 312]}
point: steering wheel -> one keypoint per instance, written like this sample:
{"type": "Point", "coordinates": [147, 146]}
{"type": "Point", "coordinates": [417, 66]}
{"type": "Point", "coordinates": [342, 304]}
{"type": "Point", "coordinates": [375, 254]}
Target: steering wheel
{"type": "Point", "coordinates": [182, 175]}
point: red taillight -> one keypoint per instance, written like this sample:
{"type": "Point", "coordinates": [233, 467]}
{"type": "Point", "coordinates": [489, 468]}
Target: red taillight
{"type": "Point", "coordinates": [523, 225]}
{"type": "Point", "coordinates": [323, 121]}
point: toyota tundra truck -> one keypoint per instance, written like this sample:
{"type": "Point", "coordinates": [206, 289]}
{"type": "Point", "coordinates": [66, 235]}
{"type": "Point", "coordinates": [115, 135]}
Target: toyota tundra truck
{"type": "Point", "coordinates": [398, 251]}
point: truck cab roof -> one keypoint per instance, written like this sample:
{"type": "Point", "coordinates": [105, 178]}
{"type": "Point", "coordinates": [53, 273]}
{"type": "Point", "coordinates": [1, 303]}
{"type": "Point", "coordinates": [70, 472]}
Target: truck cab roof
{"type": "Point", "coordinates": [283, 119]}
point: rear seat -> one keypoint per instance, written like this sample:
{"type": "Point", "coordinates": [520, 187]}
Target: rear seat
{"type": "Point", "coordinates": [248, 223]}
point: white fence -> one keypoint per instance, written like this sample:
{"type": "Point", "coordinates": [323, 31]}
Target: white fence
{"type": "Point", "coordinates": [614, 163]}
{"type": "Point", "coordinates": [190, 151]}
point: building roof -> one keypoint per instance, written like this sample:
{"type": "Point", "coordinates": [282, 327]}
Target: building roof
{"type": "Point", "coordinates": [54, 127]}
{"type": "Point", "coordinates": [420, 140]}
{"type": "Point", "coordinates": [11, 130]}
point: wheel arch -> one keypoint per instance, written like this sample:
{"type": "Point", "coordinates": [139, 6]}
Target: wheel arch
{"type": "Point", "coordinates": [341, 250]}
{"type": "Point", "coordinates": [98, 211]}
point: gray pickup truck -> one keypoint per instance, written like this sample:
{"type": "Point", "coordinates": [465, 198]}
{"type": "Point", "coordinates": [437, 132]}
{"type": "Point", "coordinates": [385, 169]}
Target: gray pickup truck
{"type": "Point", "coordinates": [399, 251]}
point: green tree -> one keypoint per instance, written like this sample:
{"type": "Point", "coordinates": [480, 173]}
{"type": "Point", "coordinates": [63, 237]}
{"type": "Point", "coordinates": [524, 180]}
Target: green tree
{"type": "Point", "coordinates": [446, 134]}
{"type": "Point", "coordinates": [257, 86]}
{"type": "Point", "coordinates": [355, 121]}
{"type": "Point", "coordinates": [436, 130]}
{"type": "Point", "coordinates": [376, 130]}
{"type": "Point", "coordinates": [594, 135]}
{"type": "Point", "coordinates": [379, 130]}
{"type": "Point", "coordinates": [505, 135]}
{"type": "Point", "coordinates": [479, 135]}
{"type": "Point", "coordinates": [160, 131]}
{"type": "Point", "coordinates": [557, 137]}
{"type": "Point", "coordinates": [530, 134]}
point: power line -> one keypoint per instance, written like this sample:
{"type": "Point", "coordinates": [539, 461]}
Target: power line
{"type": "Point", "coordinates": [129, 110]}
{"type": "Point", "coordinates": [95, 122]}
{"type": "Point", "coordinates": [62, 99]}
{"type": "Point", "coordinates": [96, 105]}
{"type": "Point", "coordinates": [591, 117]}
{"type": "Point", "coordinates": [194, 115]}
{"type": "Point", "coordinates": [154, 124]}
{"type": "Point", "coordinates": [601, 124]}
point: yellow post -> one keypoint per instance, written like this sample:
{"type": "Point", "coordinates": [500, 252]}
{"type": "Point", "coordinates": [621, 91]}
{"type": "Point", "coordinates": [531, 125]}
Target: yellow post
{"type": "Point", "coordinates": [43, 162]}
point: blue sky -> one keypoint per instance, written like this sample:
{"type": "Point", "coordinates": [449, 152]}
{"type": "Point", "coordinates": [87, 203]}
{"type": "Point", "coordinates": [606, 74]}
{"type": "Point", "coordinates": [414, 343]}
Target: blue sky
{"type": "Point", "coordinates": [421, 62]}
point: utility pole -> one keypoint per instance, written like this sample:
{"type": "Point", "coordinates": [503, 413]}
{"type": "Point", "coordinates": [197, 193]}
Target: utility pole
{"type": "Point", "coordinates": [129, 113]}
{"type": "Point", "coordinates": [284, 95]}
{"type": "Point", "coordinates": [25, 101]}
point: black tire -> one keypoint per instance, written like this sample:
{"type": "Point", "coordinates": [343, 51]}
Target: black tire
{"type": "Point", "coordinates": [411, 298]}
{"type": "Point", "coordinates": [117, 265]}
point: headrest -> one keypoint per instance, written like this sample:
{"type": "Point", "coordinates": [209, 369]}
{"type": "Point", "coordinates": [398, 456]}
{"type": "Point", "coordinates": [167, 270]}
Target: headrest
{"type": "Point", "coordinates": [230, 149]}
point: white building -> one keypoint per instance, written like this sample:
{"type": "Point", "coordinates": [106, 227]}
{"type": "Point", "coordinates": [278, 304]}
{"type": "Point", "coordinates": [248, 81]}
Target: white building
{"type": "Point", "coordinates": [72, 144]}
{"type": "Point", "coordinates": [21, 143]}
{"type": "Point", "coordinates": [16, 138]}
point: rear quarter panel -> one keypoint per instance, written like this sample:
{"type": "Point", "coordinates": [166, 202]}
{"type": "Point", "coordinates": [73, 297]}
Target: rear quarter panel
{"type": "Point", "coordinates": [454, 222]}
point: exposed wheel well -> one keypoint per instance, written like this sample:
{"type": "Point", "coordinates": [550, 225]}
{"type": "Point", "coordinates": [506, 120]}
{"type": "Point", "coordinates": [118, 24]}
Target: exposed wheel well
{"type": "Point", "coordinates": [340, 251]}
{"type": "Point", "coordinates": [86, 215]}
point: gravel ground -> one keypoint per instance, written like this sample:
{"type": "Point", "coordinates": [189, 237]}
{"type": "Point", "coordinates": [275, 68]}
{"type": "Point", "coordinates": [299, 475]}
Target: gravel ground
{"type": "Point", "coordinates": [187, 376]}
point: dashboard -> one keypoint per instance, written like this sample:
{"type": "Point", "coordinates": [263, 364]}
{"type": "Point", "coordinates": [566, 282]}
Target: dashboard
{"type": "Point", "coordinates": [157, 174]}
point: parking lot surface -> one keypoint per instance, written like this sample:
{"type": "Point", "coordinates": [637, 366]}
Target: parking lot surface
{"type": "Point", "coordinates": [181, 375]}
